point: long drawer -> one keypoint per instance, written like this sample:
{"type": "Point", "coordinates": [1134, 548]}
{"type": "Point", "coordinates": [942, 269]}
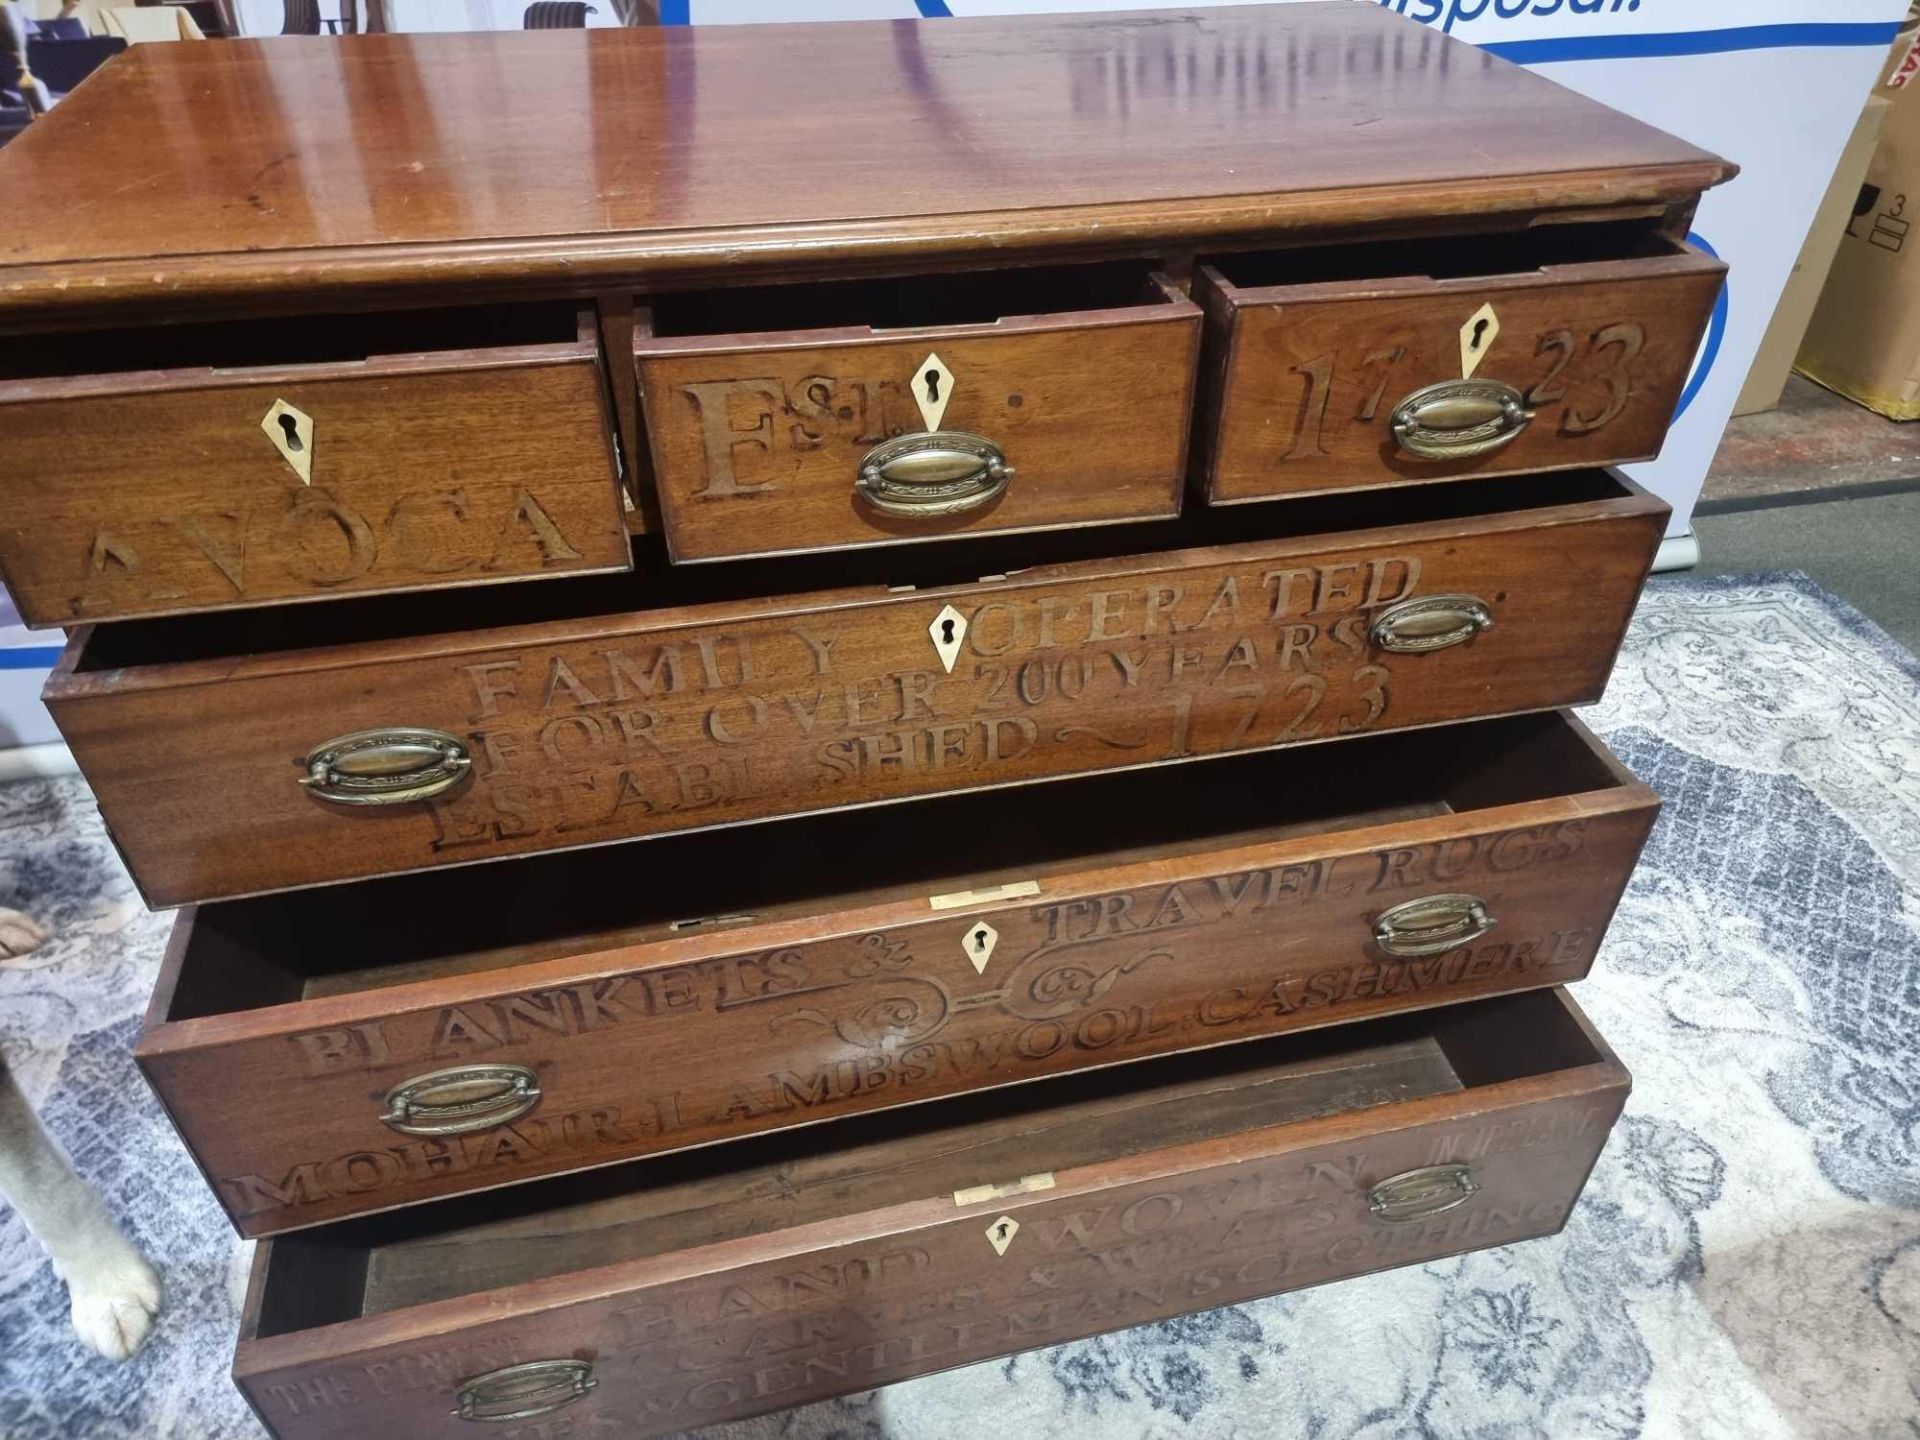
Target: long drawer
{"type": "Point", "coordinates": [210, 466]}
{"type": "Point", "coordinates": [330, 1053]}
{"type": "Point", "coordinates": [651, 1299]}
{"type": "Point", "coordinates": [246, 753]}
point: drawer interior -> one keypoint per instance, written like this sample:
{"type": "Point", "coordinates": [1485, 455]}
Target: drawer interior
{"type": "Point", "coordinates": [756, 1187]}
{"type": "Point", "coordinates": [975, 297]}
{"type": "Point", "coordinates": [656, 584]}
{"type": "Point", "coordinates": [1447, 257]}
{"type": "Point", "coordinates": [292, 340]}
{"type": "Point", "coordinates": [280, 949]}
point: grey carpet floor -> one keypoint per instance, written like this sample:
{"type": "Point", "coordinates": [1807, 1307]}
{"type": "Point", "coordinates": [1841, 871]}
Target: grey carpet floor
{"type": "Point", "coordinates": [1745, 1262]}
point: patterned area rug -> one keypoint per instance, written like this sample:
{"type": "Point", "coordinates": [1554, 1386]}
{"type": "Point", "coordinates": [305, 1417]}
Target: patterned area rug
{"type": "Point", "coordinates": [1746, 1262]}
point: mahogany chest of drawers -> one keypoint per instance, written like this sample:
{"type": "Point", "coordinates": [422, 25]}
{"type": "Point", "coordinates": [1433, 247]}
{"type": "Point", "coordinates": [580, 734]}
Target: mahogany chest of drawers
{"type": "Point", "coordinates": [891, 412]}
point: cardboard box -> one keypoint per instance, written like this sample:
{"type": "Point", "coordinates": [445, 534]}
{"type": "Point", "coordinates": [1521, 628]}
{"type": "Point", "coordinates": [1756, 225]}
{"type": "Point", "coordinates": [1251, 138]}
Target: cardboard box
{"type": "Point", "coordinates": [1780, 347]}
{"type": "Point", "coordinates": [1864, 340]}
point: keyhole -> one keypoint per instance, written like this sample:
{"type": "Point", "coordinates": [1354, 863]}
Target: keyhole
{"type": "Point", "coordinates": [1479, 333]}
{"type": "Point", "coordinates": [946, 632]}
{"type": "Point", "coordinates": [979, 940]}
{"type": "Point", "coordinates": [1001, 1229]}
{"type": "Point", "coordinates": [292, 427]}
{"type": "Point", "coordinates": [933, 387]}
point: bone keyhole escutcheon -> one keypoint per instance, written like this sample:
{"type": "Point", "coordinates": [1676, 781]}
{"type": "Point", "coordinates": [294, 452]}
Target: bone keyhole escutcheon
{"type": "Point", "coordinates": [948, 630]}
{"type": "Point", "coordinates": [932, 388]}
{"type": "Point", "coordinates": [1477, 337]}
{"type": "Point", "coordinates": [291, 431]}
{"type": "Point", "coordinates": [978, 945]}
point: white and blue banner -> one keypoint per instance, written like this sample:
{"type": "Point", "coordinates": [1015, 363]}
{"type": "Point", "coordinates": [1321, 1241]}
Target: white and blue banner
{"type": "Point", "coordinates": [1774, 85]}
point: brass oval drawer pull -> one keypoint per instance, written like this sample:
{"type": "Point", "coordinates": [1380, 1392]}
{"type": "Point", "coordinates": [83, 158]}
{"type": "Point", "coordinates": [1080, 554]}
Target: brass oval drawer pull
{"type": "Point", "coordinates": [1420, 1193]}
{"type": "Point", "coordinates": [938, 472]}
{"type": "Point", "coordinates": [521, 1392]}
{"type": "Point", "coordinates": [1460, 419]}
{"type": "Point", "coordinates": [463, 1099]}
{"type": "Point", "coordinates": [393, 765]}
{"type": "Point", "coordinates": [1430, 622]}
{"type": "Point", "coordinates": [1432, 925]}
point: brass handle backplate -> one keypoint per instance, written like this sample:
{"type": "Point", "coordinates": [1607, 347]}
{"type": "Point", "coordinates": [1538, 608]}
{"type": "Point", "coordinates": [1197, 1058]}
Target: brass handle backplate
{"type": "Point", "coordinates": [521, 1392]}
{"type": "Point", "coordinates": [461, 1100]}
{"type": "Point", "coordinates": [1460, 419]}
{"type": "Point", "coordinates": [933, 473]}
{"type": "Point", "coordinates": [1432, 925]}
{"type": "Point", "coordinates": [1420, 1193]}
{"type": "Point", "coordinates": [1430, 622]}
{"type": "Point", "coordinates": [393, 765]}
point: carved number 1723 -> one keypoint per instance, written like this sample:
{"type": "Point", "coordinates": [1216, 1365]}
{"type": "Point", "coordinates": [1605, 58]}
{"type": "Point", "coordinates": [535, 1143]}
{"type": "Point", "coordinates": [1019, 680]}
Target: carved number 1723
{"type": "Point", "coordinates": [1616, 347]}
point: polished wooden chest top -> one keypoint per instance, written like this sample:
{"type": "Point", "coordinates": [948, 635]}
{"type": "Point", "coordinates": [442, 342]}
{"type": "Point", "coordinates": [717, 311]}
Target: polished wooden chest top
{"type": "Point", "coordinates": [244, 171]}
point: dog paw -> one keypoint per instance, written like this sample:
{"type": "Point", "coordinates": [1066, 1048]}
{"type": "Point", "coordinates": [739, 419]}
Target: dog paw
{"type": "Point", "coordinates": [19, 934]}
{"type": "Point", "coordinates": [113, 1309]}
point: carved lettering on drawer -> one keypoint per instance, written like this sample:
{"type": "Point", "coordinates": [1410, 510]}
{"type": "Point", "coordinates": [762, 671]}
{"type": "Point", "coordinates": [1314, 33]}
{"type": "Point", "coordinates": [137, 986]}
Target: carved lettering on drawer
{"type": "Point", "coordinates": [310, 539]}
{"type": "Point", "coordinates": [753, 431]}
{"type": "Point", "coordinates": [899, 1036]}
{"type": "Point", "coordinates": [1145, 1252]}
{"type": "Point", "coordinates": [582, 742]}
{"type": "Point", "coordinates": [1037, 986]}
{"type": "Point", "coordinates": [366, 1172]}
{"type": "Point", "coordinates": [1582, 384]}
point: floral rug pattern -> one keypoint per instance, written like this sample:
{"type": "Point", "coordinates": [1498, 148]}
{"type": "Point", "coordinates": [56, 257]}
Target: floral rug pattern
{"type": "Point", "coordinates": [1745, 1263]}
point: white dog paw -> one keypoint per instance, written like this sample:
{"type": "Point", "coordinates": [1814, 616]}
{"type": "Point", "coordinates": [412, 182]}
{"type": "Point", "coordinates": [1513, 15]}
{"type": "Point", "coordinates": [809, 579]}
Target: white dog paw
{"type": "Point", "coordinates": [19, 934]}
{"type": "Point", "coordinates": [113, 1310]}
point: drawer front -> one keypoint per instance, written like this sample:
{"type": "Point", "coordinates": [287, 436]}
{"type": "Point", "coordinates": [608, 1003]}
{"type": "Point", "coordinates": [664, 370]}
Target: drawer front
{"type": "Point", "coordinates": [635, 1051]}
{"type": "Point", "coordinates": [689, 1339]}
{"type": "Point", "coordinates": [1321, 385]}
{"type": "Point", "coordinates": [581, 732]}
{"type": "Point", "coordinates": [770, 444]}
{"type": "Point", "coordinates": [166, 494]}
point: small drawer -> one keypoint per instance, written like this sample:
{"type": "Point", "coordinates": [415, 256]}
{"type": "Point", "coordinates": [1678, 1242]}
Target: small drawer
{"type": "Point", "coordinates": [1400, 362]}
{"type": "Point", "coordinates": [306, 458]}
{"type": "Point", "coordinates": [402, 1040]}
{"type": "Point", "coordinates": [272, 749]}
{"type": "Point", "coordinates": [654, 1299]}
{"type": "Point", "coordinates": [816, 417]}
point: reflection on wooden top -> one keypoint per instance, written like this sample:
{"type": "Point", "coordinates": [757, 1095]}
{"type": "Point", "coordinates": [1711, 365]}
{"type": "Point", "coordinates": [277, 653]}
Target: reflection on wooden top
{"type": "Point", "coordinates": [244, 166]}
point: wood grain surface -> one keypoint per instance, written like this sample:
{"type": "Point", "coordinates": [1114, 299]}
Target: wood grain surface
{"type": "Point", "coordinates": [763, 1277]}
{"type": "Point", "coordinates": [251, 170]}
{"type": "Point", "coordinates": [622, 725]}
{"type": "Point", "coordinates": [1121, 938]}
{"type": "Point", "coordinates": [757, 439]}
{"type": "Point", "coordinates": [1312, 372]}
{"type": "Point", "coordinates": [158, 491]}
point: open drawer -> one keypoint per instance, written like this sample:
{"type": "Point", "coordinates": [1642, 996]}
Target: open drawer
{"type": "Point", "coordinates": [480, 1027]}
{"type": "Point", "coordinates": [656, 1298]}
{"type": "Point", "coordinates": [813, 417]}
{"type": "Point", "coordinates": [265, 750]}
{"type": "Point", "coordinates": [1396, 362]}
{"type": "Point", "coordinates": [210, 466]}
